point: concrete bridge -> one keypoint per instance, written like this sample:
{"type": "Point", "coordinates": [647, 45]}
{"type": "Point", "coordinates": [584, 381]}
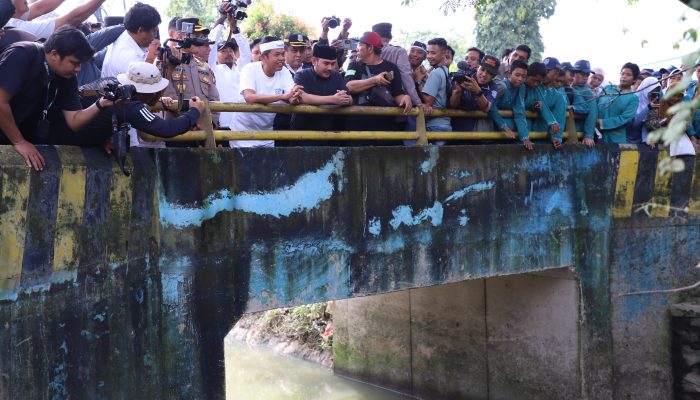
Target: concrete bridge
{"type": "Point", "coordinates": [116, 287]}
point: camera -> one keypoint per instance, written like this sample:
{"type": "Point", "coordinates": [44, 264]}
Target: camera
{"type": "Point", "coordinates": [235, 10]}
{"type": "Point", "coordinates": [464, 70]}
{"type": "Point", "coordinates": [115, 91]}
{"type": "Point", "coordinates": [333, 22]}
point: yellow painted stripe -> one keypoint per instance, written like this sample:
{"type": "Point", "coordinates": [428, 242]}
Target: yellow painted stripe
{"type": "Point", "coordinates": [624, 188]}
{"type": "Point", "coordinates": [694, 204]}
{"type": "Point", "coordinates": [71, 207]}
{"type": "Point", "coordinates": [119, 221]}
{"type": "Point", "coordinates": [14, 200]}
{"type": "Point", "coordinates": [661, 200]}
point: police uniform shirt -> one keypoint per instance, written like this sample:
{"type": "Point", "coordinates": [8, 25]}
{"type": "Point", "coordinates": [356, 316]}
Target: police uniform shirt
{"type": "Point", "coordinates": [193, 79]}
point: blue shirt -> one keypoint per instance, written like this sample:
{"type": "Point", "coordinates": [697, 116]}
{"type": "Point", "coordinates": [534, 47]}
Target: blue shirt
{"type": "Point", "coordinates": [438, 86]}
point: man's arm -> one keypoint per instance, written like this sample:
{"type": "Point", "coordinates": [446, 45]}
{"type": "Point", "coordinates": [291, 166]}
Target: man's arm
{"type": "Point", "coordinates": [251, 97]}
{"type": "Point", "coordinates": [626, 116]}
{"type": "Point", "coordinates": [398, 56]}
{"type": "Point", "coordinates": [76, 120]}
{"type": "Point", "coordinates": [9, 127]}
{"type": "Point", "coordinates": [41, 7]}
{"type": "Point", "coordinates": [79, 14]}
{"type": "Point", "coordinates": [360, 85]}
{"type": "Point", "coordinates": [339, 99]}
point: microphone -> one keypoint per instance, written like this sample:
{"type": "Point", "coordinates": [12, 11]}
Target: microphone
{"type": "Point", "coordinates": [463, 65]}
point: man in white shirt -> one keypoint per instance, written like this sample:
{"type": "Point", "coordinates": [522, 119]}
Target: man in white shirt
{"type": "Point", "coordinates": [141, 23]}
{"type": "Point", "coordinates": [264, 82]}
{"type": "Point", "coordinates": [228, 78]}
{"type": "Point", "coordinates": [43, 28]}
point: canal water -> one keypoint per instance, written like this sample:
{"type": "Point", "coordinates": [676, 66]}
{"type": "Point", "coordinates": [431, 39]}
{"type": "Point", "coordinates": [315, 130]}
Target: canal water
{"type": "Point", "coordinates": [257, 373]}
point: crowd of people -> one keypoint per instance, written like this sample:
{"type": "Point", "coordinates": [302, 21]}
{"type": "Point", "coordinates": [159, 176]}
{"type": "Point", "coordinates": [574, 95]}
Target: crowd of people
{"type": "Point", "coordinates": [48, 63]}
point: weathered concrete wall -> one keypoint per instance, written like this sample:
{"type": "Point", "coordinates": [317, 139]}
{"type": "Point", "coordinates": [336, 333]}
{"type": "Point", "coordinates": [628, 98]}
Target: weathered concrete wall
{"type": "Point", "coordinates": [500, 338]}
{"type": "Point", "coordinates": [195, 238]}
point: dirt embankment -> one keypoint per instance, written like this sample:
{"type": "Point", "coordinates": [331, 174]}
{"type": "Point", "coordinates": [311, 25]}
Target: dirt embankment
{"type": "Point", "coordinates": [304, 332]}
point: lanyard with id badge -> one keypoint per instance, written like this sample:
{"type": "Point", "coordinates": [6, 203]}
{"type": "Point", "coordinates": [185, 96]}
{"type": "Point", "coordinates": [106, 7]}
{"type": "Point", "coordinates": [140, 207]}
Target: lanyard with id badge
{"type": "Point", "coordinates": [43, 126]}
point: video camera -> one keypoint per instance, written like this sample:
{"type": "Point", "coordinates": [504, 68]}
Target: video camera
{"type": "Point", "coordinates": [464, 70]}
{"type": "Point", "coordinates": [235, 10]}
{"type": "Point", "coordinates": [115, 91]}
{"type": "Point", "coordinates": [333, 22]}
{"type": "Point", "coordinates": [109, 88]}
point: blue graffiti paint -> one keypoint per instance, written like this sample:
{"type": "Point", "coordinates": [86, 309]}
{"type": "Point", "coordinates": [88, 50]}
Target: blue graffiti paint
{"type": "Point", "coordinates": [463, 217]}
{"type": "Point", "coordinates": [325, 263]}
{"type": "Point", "coordinates": [375, 226]}
{"type": "Point", "coordinates": [58, 384]}
{"type": "Point", "coordinates": [99, 317]}
{"type": "Point", "coordinates": [477, 187]}
{"type": "Point", "coordinates": [171, 291]}
{"type": "Point", "coordinates": [64, 347]}
{"type": "Point", "coordinates": [390, 245]}
{"type": "Point", "coordinates": [428, 165]}
{"type": "Point", "coordinates": [403, 215]}
{"type": "Point", "coordinates": [559, 200]}
{"type": "Point", "coordinates": [306, 194]}
{"type": "Point", "coordinates": [139, 296]}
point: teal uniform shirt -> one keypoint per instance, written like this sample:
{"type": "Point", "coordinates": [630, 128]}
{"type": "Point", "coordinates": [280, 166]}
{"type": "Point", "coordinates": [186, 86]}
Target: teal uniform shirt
{"type": "Point", "coordinates": [556, 103]}
{"type": "Point", "coordinates": [511, 100]}
{"type": "Point", "coordinates": [615, 110]}
{"type": "Point", "coordinates": [585, 105]}
{"type": "Point", "coordinates": [546, 118]}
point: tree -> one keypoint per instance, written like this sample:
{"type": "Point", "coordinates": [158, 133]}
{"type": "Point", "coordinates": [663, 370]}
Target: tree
{"type": "Point", "coordinates": [502, 24]}
{"type": "Point", "coordinates": [262, 20]}
{"type": "Point", "coordinates": [205, 10]}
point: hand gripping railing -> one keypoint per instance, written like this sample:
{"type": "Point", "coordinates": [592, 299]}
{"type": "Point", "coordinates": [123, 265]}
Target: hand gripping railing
{"type": "Point", "coordinates": [421, 135]}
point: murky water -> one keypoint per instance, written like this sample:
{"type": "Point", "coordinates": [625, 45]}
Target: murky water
{"type": "Point", "coordinates": [256, 373]}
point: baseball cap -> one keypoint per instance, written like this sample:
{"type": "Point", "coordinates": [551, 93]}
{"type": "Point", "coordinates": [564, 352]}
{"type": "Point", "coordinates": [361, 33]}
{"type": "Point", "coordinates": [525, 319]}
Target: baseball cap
{"type": "Point", "coordinates": [229, 43]}
{"type": "Point", "coordinates": [372, 38]}
{"type": "Point", "coordinates": [567, 66]}
{"type": "Point", "coordinates": [420, 45]}
{"type": "Point", "coordinates": [582, 66]}
{"type": "Point", "coordinates": [667, 70]}
{"type": "Point", "coordinates": [490, 64]}
{"type": "Point", "coordinates": [295, 39]}
{"type": "Point", "coordinates": [551, 63]}
{"type": "Point", "coordinates": [598, 71]}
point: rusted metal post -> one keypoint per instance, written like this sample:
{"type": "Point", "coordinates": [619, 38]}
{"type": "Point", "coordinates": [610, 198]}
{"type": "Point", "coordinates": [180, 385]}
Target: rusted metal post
{"type": "Point", "coordinates": [209, 140]}
{"type": "Point", "coordinates": [421, 130]}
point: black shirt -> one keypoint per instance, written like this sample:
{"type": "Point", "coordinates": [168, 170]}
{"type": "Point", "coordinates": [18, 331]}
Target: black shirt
{"type": "Point", "coordinates": [357, 70]}
{"type": "Point", "coordinates": [135, 113]}
{"type": "Point", "coordinates": [25, 75]}
{"type": "Point", "coordinates": [316, 85]}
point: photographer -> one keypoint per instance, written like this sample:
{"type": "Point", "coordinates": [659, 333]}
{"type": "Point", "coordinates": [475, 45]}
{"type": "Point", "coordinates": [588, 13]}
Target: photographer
{"type": "Point", "coordinates": [38, 88]}
{"type": "Point", "coordinates": [134, 109]}
{"type": "Point", "coordinates": [474, 90]}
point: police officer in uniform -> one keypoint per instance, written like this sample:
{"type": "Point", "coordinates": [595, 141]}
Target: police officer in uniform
{"type": "Point", "coordinates": [194, 78]}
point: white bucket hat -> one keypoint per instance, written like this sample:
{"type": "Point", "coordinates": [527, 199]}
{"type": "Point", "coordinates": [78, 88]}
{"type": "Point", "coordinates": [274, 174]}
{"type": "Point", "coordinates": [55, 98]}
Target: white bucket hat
{"type": "Point", "coordinates": [144, 76]}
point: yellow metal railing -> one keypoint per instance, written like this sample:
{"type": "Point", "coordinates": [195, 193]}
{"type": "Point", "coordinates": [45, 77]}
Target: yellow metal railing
{"type": "Point", "coordinates": [421, 135]}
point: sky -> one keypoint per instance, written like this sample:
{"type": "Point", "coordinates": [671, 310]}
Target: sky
{"type": "Point", "coordinates": [608, 33]}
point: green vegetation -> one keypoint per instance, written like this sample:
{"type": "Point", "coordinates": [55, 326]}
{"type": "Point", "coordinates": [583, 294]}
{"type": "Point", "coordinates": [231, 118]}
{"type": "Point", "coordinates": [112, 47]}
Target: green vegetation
{"type": "Point", "coordinates": [304, 324]}
{"type": "Point", "coordinates": [263, 20]}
